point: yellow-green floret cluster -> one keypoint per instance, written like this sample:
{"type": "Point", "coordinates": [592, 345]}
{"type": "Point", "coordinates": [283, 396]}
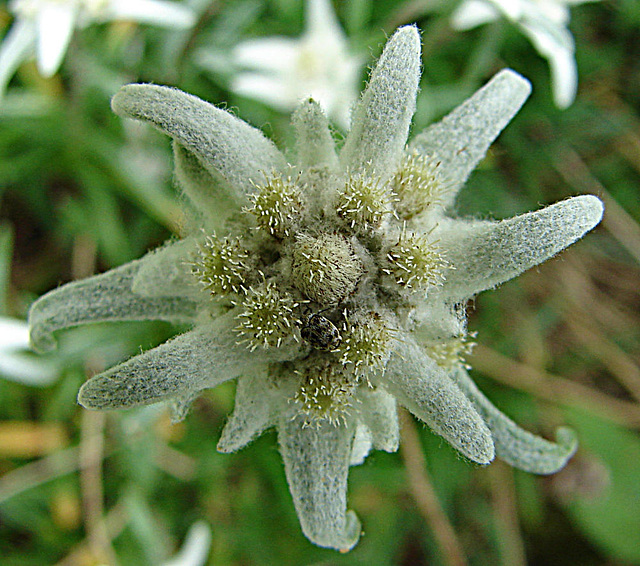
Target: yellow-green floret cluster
{"type": "Point", "coordinates": [453, 351]}
{"type": "Point", "coordinates": [364, 202]}
{"type": "Point", "coordinates": [365, 345]}
{"type": "Point", "coordinates": [326, 269]}
{"type": "Point", "coordinates": [221, 265]}
{"type": "Point", "coordinates": [267, 318]}
{"type": "Point", "coordinates": [418, 185]}
{"type": "Point", "coordinates": [277, 205]}
{"type": "Point", "coordinates": [416, 262]}
{"type": "Point", "coordinates": [325, 391]}
{"type": "Point", "coordinates": [339, 287]}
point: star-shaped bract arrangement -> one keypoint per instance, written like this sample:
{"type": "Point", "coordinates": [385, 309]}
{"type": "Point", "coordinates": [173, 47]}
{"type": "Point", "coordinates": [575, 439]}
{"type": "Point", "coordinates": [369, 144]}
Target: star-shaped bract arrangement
{"type": "Point", "coordinates": [332, 287]}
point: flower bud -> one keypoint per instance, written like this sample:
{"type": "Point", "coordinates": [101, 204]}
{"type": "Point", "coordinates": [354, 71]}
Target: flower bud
{"type": "Point", "coordinates": [326, 269]}
{"type": "Point", "coordinates": [268, 317]}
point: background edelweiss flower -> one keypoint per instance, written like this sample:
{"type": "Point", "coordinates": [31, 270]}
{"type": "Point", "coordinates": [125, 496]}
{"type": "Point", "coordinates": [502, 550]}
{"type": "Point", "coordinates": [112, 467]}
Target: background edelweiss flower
{"type": "Point", "coordinates": [44, 27]}
{"type": "Point", "coordinates": [195, 549]}
{"type": "Point", "coordinates": [280, 71]}
{"type": "Point", "coordinates": [15, 364]}
{"type": "Point", "coordinates": [545, 23]}
{"type": "Point", "coordinates": [356, 304]}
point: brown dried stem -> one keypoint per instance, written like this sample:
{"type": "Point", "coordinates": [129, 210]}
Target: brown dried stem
{"type": "Point", "coordinates": [91, 456]}
{"type": "Point", "coordinates": [424, 494]}
{"type": "Point", "coordinates": [618, 222]}
{"type": "Point", "coordinates": [38, 472]}
{"type": "Point", "coordinates": [174, 462]}
{"type": "Point", "coordinates": [551, 387]}
{"type": "Point", "coordinates": [115, 522]}
{"type": "Point", "coordinates": [506, 515]}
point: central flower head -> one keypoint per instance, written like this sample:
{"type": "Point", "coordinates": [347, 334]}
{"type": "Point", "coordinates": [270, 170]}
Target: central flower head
{"type": "Point", "coordinates": [341, 251]}
{"type": "Point", "coordinates": [331, 286]}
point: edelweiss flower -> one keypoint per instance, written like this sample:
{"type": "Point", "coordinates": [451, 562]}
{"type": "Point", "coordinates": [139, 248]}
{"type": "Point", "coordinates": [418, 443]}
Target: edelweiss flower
{"type": "Point", "coordinates": [545, 23]}
{"type": "Point", "coordinates": [195, 549]}
{"type": "Point", "coordinates": [282, 71]}
{"type": "Point", "coordinates": [335, 287]}
{"type": "Point", "coordinates": [44, 27]}
{"type": "Point", "coordinates": [14, 364]}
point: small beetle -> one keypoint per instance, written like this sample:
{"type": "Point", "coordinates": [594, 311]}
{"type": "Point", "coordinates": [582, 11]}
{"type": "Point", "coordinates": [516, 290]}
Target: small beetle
{"type": "Point", "coordinates": [320, 332]}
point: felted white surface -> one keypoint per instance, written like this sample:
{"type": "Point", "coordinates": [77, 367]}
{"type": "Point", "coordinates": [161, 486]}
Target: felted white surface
{"type": "Point", "coordinates": [380, 122]}
{"type": "Point", "coordinates": [424, 388]}
{"type": "Point", "coordinates": [209, 192]}
{"type": "Point", "coordinates": [378, 412]}
{"type": "Point", "coordinates": [461, 139]}
{"type": "Point", "coordinates": [225, 145]}
{"type": "Point", "coordinates": [254, 411]}
{"type": "Point", "coordinates": [361, 445]}
{"type": "Point", "coordinates": [485, 254]}
{"type": "Point", "coordinates": [514, 445]}
{"type": "Point", "coordinates": [105, 297]}
{"type": "Point", "coordinates": [201, 358]}
{"type": "Point", "coordinates": [316, 461]}
{"type": "Point", "coordinates": [314, 143]}
{"type": "Point", "coordinates": [165, 272]}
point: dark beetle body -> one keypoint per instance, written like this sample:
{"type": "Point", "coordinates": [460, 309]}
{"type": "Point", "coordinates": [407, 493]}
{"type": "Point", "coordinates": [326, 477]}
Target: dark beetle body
{"type": "Point", "coordinates": [319, 332]}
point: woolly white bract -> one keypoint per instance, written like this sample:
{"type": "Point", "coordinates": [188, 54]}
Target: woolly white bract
{"type": "Point", "coordinates": [331, 286]}
{"type": "Point", "coordinates": [44, 27]}
{"type": "Point", "coordinates": [545, 23]}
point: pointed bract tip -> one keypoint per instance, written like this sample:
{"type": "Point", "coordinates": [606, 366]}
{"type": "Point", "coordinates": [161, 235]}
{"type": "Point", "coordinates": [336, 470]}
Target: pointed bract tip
{"type": "Point", "coordinates": [408, 30]}
{"type": "Point", "coordinates": [99, 394]}
{"type": "Point", "coordinates": [584, 212]}
{"type": "Point", "coordinates": [593, 207]}
{"type": "Point", "coordinates": [125, 102]}
{"type": "Point", "coordinates": [116, 99]}
{"type": "Point", "coordinates": [566, 447]}
{"type": "Point", "coordinates": [484, 453]}
{"type": "Point", "coordinates": [408, 36]}
{"type": "Point", "coordinates": [308, 104]}
{"type": "Point", "coordinates": [95, 398]}
{"type": "Point", "coordinates": [85, 400]}
{"type": "Point", "coordinates": [353, 530]}
{"type": "Point", "coordinates": [567, 437]}
{"type": "Point", "coordinates": [226, 444]}
{"type": "Point", "coordinates": [516, 79]}
{"type": "Point", "coordinates": [40, 341]}
{"type": "Point", "coordinates": [342, 542]}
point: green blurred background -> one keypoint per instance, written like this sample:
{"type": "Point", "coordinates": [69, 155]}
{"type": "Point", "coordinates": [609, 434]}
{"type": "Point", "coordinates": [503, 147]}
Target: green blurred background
{"type": "Point", "coordinates": [81, 192]}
